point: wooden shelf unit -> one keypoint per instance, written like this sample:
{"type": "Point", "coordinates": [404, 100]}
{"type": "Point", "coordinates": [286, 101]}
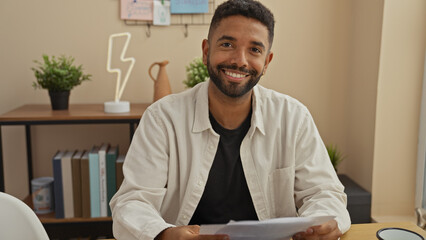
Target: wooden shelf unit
{"type": "Point", "coordinates": [41, 114]}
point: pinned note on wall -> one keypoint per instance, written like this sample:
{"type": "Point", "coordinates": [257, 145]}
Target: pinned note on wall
{"type": "Point", "coordinates": [161, 12]}
{"type": "Point", "coordinates": [189, 6]}
{"type": "Point", "coordinates": [137, 10]}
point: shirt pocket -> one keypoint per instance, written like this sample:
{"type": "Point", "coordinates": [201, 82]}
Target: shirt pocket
{"type": "Point", "coordinates": [281, 187]}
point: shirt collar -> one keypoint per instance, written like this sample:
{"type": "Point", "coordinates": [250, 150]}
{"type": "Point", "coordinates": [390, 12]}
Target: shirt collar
{"type": "Point", "coordinates": [257, 119]}
{"type": "Point", "coordinates": [201, 116]}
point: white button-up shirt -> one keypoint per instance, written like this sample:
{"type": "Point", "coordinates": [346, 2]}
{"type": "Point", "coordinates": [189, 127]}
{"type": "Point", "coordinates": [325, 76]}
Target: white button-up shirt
{"type": "Point", "coordinates": [285, 163]}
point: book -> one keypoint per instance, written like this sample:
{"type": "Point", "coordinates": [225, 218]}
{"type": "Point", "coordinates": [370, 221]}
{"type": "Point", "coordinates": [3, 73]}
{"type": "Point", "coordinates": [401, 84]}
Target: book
{"type": "Point", "coordinates": [76, 182]}
{"type": "Point", "coordinates": [102, 180]}
{"type": "Point", "coordinates": [111, 157]}
{"type": "Point", "coordinates": [119, 170]}
{"type": "Point", "coordinates": [85, 185]}
{"type": "Point", "coordinates": [67, 184]}
{"type": "Point", "coordinates": [57, 184]}
{"type": "Point", "coordinates": [95, 209]}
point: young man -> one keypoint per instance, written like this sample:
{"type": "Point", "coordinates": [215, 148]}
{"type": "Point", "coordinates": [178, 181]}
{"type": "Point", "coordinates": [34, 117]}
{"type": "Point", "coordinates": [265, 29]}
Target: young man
{"type": "Point", "coordinates": [228, 149]}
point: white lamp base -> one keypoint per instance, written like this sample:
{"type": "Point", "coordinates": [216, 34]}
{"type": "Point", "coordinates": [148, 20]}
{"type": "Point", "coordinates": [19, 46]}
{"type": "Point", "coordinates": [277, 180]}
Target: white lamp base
{"type": "Point", "coordinates": [116, 107]}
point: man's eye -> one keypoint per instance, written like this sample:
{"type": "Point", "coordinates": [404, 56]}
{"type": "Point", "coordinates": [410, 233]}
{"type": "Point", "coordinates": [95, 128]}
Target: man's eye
{"type": "Point", "coordinates": [256, 50]}
{"type": "Point", "coordinates": [226, 44]}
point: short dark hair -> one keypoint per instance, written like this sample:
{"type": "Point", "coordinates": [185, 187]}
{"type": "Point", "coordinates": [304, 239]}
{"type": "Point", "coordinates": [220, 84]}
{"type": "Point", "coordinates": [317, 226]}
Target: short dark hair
{"type": "Point", "coordinates": [247, 8]}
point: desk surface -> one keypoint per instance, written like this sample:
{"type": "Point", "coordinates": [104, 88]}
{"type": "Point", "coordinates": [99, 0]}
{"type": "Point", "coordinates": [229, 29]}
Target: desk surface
{"type": "Point", "coordinates": [368, 231]}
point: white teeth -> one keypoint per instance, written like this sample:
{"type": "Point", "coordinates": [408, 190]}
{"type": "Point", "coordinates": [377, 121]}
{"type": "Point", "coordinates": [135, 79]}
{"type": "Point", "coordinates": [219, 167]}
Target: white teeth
{"type": "Point", "coordinates": [235, 75]}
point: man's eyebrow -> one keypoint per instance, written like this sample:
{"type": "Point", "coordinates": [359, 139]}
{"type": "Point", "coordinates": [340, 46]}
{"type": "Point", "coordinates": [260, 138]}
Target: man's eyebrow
{"type": "Point", "coordinates": [229, 38]}
{"type": "Point", "coordinates": [260, 44]}
{"type": "Point", "coordinates": [226, 37]}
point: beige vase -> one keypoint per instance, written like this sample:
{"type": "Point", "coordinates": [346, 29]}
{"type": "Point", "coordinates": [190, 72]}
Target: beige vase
{"type": "Point", "coordinates": [161, 83]}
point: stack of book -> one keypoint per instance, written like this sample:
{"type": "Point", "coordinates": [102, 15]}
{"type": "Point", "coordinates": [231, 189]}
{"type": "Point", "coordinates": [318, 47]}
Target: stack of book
{"type": "Point", "coordinates": [85, 181]}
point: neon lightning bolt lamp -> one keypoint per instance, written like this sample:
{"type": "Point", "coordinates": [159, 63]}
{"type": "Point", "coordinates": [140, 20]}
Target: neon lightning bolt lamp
{"type": "Point", "coordinates": [118, 106]}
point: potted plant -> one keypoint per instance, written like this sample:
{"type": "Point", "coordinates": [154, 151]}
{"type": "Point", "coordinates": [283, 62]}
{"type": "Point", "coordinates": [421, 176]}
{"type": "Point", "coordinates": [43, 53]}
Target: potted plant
{"type": "Point", "coordinates": [196, 72]}
{"type": "Point", "coordinates": [58, 76]}
{"type": "Point", "coordinates": [335, 155]}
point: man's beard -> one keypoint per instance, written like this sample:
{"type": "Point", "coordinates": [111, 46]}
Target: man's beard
{"type": "Point", "coordinates": [232, 90]}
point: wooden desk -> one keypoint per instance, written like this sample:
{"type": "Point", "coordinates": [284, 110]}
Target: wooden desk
{"type": "Point", "coordinates": [368, 231]}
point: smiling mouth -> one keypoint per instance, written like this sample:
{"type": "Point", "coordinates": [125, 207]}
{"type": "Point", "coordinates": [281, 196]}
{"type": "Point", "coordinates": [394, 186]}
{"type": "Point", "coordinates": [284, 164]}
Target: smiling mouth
{"type": "Point", "coordinates": [235, 75]}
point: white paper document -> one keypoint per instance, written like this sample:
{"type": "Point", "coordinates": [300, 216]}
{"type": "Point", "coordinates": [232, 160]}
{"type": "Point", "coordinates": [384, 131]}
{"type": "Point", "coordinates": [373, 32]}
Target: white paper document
{"type": "Point", "coordinates": [271, 229]}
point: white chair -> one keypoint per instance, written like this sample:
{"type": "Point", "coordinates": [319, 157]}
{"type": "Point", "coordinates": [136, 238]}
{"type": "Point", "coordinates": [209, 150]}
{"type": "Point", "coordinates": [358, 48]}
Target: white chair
{"type": "Point", "coordinates": [18, 221]}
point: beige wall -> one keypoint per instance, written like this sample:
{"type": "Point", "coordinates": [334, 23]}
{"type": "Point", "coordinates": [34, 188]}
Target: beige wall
{"type": "Point", "coordinates": [362, 71]}
{"type": "Point", "coordinates": [328, 54]}
{"type": "Point", "coordinates": [398, 107]}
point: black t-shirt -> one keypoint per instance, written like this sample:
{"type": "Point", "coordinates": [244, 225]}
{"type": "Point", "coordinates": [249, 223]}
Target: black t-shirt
{"type": "Point", "coordinates": [226, 196]}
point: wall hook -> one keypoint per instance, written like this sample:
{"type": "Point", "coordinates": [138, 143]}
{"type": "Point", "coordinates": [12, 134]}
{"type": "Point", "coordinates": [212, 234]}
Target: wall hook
{"type": "Point", "coordinates": [186, 30]}
{"type": "Point", "coordinates": [148, 30]}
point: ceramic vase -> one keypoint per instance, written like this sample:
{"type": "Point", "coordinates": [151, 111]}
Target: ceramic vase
{"type": "Point", "coordinates": [161, 82]}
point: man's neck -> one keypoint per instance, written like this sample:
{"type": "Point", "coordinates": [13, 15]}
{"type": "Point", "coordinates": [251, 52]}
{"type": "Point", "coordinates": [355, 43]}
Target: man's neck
{"type": "Point", "coordinates": [229, 112]}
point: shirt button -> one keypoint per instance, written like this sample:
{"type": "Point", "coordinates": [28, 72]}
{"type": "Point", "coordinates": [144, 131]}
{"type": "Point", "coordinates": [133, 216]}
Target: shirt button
{"type": "Point", "coordinates": [185, 217]}
{"type": "Point", "coordinates": [200, 183]}
{"type": "Point", "coordinates": [211, 147]}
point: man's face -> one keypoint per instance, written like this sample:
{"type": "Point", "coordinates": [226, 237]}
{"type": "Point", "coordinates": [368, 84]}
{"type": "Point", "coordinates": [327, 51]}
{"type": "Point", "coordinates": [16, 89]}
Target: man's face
{"type": "Point", "coordinates": [237, 55]}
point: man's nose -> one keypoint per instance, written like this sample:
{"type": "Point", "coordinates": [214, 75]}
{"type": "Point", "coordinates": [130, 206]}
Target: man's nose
{"type": "Point", "coordinates": [239, 58]}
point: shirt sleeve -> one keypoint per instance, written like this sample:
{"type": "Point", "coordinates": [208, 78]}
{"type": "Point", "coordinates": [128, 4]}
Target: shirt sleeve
{"type": "Point", "coordinates": [318, 190]}
{"type": "Point", "coordinates": [136, 205]}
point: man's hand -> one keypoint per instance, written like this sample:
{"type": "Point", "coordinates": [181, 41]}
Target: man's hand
{"type": "Point", "coordinates": [191, 232]}
{"type": "Point", "coordinates": [326, 231]}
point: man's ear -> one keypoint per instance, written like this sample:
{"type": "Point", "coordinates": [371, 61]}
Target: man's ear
{"type": "Point", "coordinates": [267, 61]}
{"type": "Point", "coordinates": [205, 48]}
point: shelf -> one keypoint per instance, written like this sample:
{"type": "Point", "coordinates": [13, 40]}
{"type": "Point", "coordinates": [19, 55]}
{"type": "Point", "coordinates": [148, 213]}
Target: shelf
{"type": "Point", "coordinates": [42, 113]}
{"type": "Point", "coordinates": [50, 217]}
{"type": "Point", "coordinates": [58, 228]}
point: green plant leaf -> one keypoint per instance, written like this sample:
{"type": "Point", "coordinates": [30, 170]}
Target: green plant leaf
{"type": "Point", "coordinates": [58, 74]}
{"type": "Point", "coordinates": [196, 72]}
{"type": "Point", "coordinates": [335, 155]}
